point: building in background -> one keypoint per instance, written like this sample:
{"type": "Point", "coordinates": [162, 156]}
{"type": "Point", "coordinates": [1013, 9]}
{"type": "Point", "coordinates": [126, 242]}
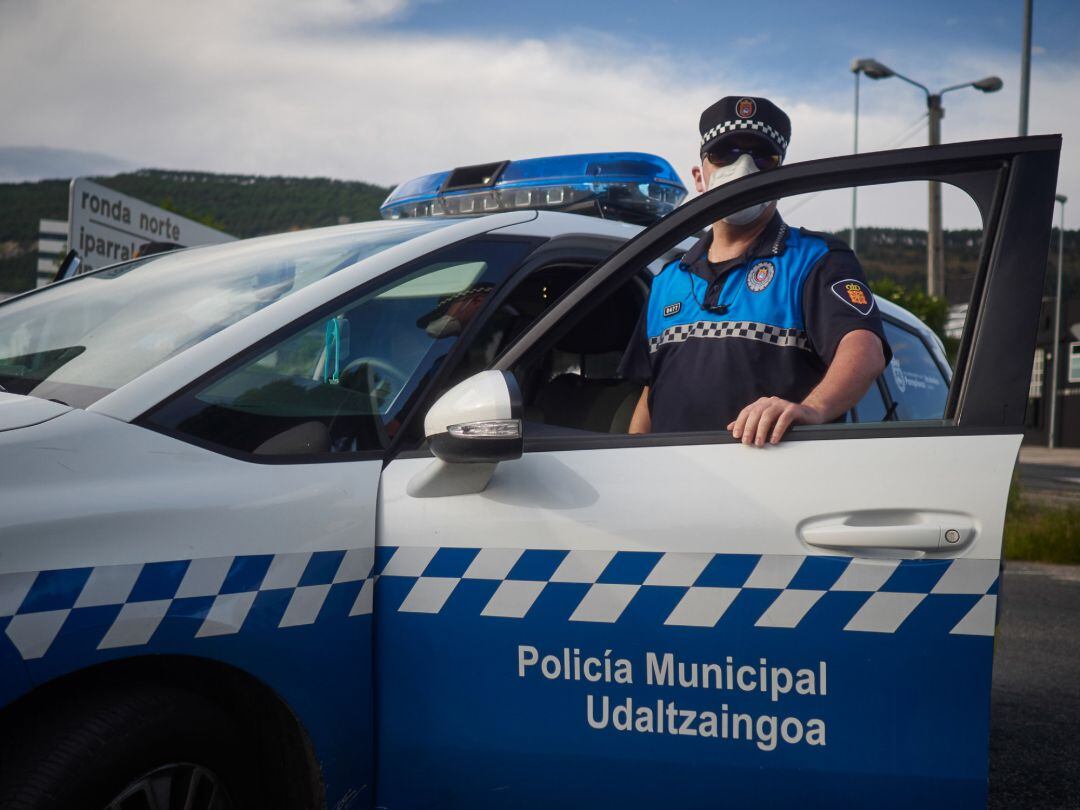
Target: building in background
{"type": "Point", "coordinates": [51, 247]}
{"type": "Point", "coordinates": [1068, 412]}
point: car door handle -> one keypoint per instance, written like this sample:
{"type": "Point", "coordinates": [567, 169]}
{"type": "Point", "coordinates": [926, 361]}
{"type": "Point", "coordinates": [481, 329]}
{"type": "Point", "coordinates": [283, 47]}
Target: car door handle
{"type": "Point", "coordinates": [907, 531]}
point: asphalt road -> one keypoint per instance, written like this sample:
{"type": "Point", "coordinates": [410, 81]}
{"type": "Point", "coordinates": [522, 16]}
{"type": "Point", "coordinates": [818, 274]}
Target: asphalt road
{"type": "Point", "coordinates": [1035, 715]}
{"type": "Point", "coordinates": [1054, 480]}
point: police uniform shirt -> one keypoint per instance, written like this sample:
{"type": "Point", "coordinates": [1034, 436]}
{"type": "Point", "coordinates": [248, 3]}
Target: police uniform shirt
{"type": "Point", "coordinates": [713, 338]}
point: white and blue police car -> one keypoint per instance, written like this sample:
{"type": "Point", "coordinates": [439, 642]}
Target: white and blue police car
{"type": "Point", "coordinates": [349, 518]}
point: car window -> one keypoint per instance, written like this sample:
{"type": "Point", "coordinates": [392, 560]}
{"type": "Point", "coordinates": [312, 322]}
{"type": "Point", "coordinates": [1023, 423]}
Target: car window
{"type": "Point", "coordinates": [576, 383]}
{"type": "Point", "coordinates": [769, 332]}
{"type": "Point", "coordinates": [80, 340]}
{"type": "Point", "coordinates": [343, 382]}
{"type": "Point", "coordinates": [871, 407]}
{"type": "Point", "coordinates": [913, 378]}
{"type": "Point", "coordinates": [529, 299]}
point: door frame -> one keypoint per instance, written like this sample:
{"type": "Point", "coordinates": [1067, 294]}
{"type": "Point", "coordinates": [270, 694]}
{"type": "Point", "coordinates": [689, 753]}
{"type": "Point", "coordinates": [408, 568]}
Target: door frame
{"type": "Point", "coordinates": [1011, 180]}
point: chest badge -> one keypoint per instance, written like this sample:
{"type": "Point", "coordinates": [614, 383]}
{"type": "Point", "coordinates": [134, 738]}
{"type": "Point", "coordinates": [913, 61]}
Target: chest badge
{"type": "Point", "coordinates": [672, 309]}
{"type": "Point", "coordinates": [855, 294]}
{"type": "Point", "coordinates": [760, 275]}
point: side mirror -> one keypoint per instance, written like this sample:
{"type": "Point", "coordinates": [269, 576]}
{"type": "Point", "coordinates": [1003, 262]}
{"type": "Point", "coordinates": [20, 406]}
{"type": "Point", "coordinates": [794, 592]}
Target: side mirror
{"type": "Point", "coordinates": [69, 266]}
{"type": "Point", "coordinates": [471, 428]}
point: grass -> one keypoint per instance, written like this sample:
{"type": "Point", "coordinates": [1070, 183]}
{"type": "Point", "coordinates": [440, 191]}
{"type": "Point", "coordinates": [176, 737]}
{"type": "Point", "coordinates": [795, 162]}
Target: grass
{"type": "Point", "coordinates": [1041, 532]}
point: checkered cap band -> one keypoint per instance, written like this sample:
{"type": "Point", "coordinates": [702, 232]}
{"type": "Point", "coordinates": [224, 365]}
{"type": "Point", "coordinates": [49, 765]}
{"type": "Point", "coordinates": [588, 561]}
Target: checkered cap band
{"type": "Point", "coordinates": [748, 330]}
{"type": "Point", "coordinates": [748, 124]}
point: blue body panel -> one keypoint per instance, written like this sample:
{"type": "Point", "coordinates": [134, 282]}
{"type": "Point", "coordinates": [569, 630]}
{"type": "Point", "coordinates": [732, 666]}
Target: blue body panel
{"type": "Point", "coordinates": [318, 661]}
{"type": "Point", "coordinates": [560, 698]}
{"type": "Point", "coordinates": [905, 713]}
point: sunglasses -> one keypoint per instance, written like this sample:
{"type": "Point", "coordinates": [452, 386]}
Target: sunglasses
{"type": "Point", "coordinates": [763, 158]}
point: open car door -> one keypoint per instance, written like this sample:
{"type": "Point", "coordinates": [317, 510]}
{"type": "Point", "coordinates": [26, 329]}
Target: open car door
{"type": "Point", "coordinates": [677, 619]}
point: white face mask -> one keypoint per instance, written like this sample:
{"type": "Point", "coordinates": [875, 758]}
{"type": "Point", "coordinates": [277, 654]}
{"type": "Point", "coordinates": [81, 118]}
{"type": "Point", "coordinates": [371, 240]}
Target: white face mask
{"type": "Point", "coordinates": [725, 174]}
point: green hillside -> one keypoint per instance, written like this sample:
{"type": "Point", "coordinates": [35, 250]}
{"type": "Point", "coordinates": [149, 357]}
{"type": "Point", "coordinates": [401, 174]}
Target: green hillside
{"type": "Point", "coordinates": [242, 205]}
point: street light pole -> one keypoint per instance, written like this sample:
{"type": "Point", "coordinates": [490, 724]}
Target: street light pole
{"type": "Point", "coordinates": [935, 248]}
{"type": "Point", "coordinates": [875, 70]}
{"type": "Point", "coordinates": [1025, 69]}
{"type": "Point", "coordinates": [855, 151]}
{"type": "Point", "coordinates": [1051, 428]}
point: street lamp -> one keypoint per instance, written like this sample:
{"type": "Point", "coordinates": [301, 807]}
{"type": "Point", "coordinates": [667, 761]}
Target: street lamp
{"type": "Point", "coordinates": [935, 254]}
{"type": "Point", "coordinates": [875, 70]}
{"type": "Point", "coordinates": [1052, 426]}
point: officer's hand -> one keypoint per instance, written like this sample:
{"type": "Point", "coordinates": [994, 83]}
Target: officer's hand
{"type": "Point", "coordinates": [771, 414]}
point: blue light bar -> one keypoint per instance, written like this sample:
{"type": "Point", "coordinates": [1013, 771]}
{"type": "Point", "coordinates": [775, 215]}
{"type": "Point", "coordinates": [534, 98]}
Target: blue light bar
{"type": "Point", "coordinates": [629, 186]}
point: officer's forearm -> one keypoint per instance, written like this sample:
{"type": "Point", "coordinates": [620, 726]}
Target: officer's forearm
{"type": "Point", "coordinates": [641, 421]}
{"type": "Point", "coordinates": [859, 359]}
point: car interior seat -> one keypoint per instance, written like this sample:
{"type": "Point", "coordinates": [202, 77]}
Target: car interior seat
{"type": "Point", "coordinates": [583, 389]}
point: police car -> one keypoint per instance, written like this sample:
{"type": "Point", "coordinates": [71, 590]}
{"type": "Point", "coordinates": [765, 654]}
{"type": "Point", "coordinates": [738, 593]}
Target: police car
{"type": "Point", "coordinates": [349, 518]}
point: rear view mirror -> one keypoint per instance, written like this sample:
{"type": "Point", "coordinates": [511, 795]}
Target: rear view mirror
{"type": "Point", "coordinates": [471, 428]}
{"type": "Point", "coordinates": [69, 266]}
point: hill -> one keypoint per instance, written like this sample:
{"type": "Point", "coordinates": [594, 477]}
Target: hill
{"type": "Point", "coordinates": [242, 205]}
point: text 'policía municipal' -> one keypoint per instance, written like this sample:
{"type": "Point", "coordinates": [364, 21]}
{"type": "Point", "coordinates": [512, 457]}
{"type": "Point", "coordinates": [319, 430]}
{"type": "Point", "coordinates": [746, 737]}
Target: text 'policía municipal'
{"type": "Point", "coordinates": [665, 716]}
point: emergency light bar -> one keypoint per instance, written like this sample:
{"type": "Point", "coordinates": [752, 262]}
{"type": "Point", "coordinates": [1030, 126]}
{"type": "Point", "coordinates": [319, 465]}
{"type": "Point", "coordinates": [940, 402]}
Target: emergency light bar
{"type": "Point", "coordinates": [629, 186]}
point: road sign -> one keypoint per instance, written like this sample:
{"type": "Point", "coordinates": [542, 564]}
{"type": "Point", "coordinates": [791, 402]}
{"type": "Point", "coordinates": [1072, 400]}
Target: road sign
{"type": "Point", "coordinates": [106, 226]}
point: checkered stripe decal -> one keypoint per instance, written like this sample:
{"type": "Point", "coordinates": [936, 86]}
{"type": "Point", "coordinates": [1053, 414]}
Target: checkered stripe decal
{"type": "Point", "coordinates": [36, 608]}
{"type": "Point", "coordinates": [732, 126]}
{"type": "Point", "coordinates": [958, 596]}
{"type": "Point", "coordinates": [750, 330]}
{"type": "Point", "coordinates": [132, 601]}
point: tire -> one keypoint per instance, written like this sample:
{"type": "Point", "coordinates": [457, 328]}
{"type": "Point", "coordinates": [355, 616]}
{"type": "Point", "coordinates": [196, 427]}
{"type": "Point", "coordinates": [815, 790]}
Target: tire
{"type": "Point", "coordinates": [90, 753]}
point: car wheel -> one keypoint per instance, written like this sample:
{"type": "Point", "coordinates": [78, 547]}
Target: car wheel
{"type": "Point", "coordinates": [145, 748]}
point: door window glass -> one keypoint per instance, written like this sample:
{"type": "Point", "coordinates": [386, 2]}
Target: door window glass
{"type": "Point", "coordinates": [344, 381]}
{"type": "Point", "coordinates": [871, 407]}
{"type": "Point", "coordinates": [913, 377]}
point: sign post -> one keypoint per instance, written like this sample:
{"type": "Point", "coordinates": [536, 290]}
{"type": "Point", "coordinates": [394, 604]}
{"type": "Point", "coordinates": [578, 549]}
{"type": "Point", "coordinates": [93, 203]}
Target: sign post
{"type": "Point", "coordinates": [106, 226]}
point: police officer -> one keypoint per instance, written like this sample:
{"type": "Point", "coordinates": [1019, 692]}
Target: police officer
{"type": "Point", "coordinates": [759, 326]}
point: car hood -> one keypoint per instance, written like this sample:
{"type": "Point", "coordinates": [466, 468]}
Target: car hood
{"type": "Point", "coordinates": [17, 411]}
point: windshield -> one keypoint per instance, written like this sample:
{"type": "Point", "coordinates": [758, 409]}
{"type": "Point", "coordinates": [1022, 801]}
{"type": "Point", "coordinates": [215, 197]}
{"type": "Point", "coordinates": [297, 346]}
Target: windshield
{"type": "Point", "coordinates": [78, 341]}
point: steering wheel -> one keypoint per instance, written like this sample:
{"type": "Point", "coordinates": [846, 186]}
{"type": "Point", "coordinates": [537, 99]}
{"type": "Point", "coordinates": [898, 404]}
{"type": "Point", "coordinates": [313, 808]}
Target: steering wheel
{"type": "Point", "coordinates": [382, 378]}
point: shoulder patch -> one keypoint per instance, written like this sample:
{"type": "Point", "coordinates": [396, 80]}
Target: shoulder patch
{"type": "Point", "coordinates": [672, 309]}
{"type": "Point", "coordinates": [855, 294]}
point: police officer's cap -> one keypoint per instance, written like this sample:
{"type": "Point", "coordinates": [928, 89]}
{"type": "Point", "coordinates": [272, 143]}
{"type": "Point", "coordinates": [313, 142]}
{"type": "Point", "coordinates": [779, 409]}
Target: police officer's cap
{"type": "Point", "coordinates": [743, 115]}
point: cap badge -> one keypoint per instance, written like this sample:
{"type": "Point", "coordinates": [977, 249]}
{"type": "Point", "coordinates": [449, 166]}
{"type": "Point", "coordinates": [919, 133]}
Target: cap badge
{"type": "Point", "coordinates": [760, 275]}
{"type": "Point", "coordinates": [745, 108]}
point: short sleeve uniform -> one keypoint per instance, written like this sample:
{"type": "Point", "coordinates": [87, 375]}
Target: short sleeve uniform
{"type": "Point", "coordinates": [714, 338]}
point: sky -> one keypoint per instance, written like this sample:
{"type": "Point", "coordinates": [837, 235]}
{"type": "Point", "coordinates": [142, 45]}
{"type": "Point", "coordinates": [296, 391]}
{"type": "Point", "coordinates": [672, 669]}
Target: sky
{"type": "Point", "coordinates": [385, 90]}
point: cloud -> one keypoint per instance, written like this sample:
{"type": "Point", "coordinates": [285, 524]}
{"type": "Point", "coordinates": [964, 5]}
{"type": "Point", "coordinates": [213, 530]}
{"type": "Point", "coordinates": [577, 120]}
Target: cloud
{"type": "Point", "coordinates": [753, 41]}
{"type": "Point", "coordinates": [332, 87]}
